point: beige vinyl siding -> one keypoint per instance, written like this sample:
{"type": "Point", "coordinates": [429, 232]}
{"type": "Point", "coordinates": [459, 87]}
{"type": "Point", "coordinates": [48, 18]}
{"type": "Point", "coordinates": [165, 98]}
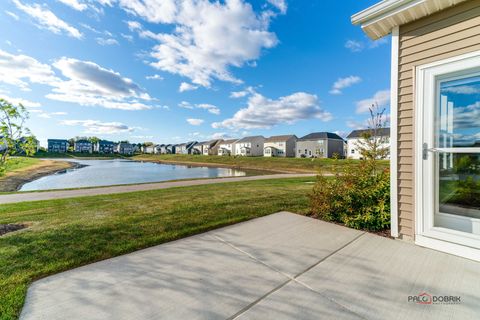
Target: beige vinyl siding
{"type": "Point", "coordinates": [449, 33]}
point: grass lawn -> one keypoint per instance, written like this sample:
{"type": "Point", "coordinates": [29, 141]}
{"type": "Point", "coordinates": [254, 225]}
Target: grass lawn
{"type": "Point", "coordinates": [258, 163]}
{"type": "Point", "coordinates": [64, 234]}
{"type": "Point", "coordinates": [20, 164]}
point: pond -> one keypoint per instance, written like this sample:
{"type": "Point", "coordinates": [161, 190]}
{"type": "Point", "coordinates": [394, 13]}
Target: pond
{"type": "Point", "coordinates": [93, 173]}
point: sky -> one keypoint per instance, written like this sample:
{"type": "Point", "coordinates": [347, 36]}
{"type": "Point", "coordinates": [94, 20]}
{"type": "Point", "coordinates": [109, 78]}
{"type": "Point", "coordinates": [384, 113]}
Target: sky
{"type": "Point", "coordinates": [169, 71]}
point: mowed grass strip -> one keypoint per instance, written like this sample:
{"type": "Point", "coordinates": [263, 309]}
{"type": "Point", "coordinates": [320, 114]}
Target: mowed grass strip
{"type": "Point", "coordinates": [299, 165]}
{"type": "Point", "coordinates": [67, 233]}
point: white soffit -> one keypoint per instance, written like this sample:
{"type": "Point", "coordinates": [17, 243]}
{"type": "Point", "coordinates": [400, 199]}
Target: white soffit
{"type": "Point", "coordinates": [378, 20]}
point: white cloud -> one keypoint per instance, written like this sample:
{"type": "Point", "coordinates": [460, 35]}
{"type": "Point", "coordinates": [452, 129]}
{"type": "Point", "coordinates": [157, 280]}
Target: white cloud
{"type": "Point", "coordinates": [185, 86]}
{"type": "Point", "coordinates": [74, 4]}
{"type": "Point", "coordinates": [466, 89]}
{"type": "Point", "coordinates": [354, 46]}
{"type": "Point", "coordinates": [242, 93]}
{"type": "Point", "coordinates": [106, 41]}
{"type": "Point", "coordinates": [18, 69]}
{"type": "Point", "coordinates": [90, 84]}
{"type": "Point", "coordinates": [48, 19]}
{"type": "Point", "coordinates": [195, 122]}
{"type": "Point", "coordinates": [154, 77]}
{"type": "Point", "coordinates": [98, 127]}
{"type": "Point", "coordinates": [280, 5]}
{"type": "Point", "coordinates": [127, 37]}
{"type": "Point", "coordinates": [264, 113]}
{"type": "Point", "coordinates": [16, 101]}
{"type": "Point", "coordinates": [208, 37]}
{"type": "Point", "coordinates": [380, 98]}
{"type": "Point", "coordinates": [209, 107]}
{"type": "Point", "coordinates": [343, 83]}
{"type": "Point", "coordinates": [357, 46]}
{"type": "Point", "coordinates": [13, 15]}
{"type": "Point", "coordinates": [221, 135]}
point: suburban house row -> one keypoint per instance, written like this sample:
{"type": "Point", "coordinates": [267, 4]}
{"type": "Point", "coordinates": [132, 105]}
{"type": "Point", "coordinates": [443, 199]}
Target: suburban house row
{"type": "Point", "coordinates": [314, 145]}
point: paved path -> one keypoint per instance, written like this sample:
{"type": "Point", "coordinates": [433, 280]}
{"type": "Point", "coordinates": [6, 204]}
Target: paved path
{"type": "Point", "coordinates": [282, 266]}
{"type": "Point", "coordinates": [48, 195]}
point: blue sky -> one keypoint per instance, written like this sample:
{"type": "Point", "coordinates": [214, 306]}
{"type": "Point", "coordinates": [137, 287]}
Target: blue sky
{"type": "Point", "coordinates": [172, 70]}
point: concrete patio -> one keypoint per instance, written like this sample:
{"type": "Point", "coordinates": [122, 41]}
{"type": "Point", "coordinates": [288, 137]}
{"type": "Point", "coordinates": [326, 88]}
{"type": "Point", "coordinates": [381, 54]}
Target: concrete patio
{"type": "Point", "coordinates": [283, 266]}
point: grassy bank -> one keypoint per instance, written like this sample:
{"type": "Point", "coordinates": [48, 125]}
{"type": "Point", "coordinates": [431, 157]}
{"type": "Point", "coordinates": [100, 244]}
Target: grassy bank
{"type": "Point", "coordinates": [21, 170]}
{"type": "Point", "coordinates": [257, 163]}
{"type": "Point", "coordinates": [68, 233]}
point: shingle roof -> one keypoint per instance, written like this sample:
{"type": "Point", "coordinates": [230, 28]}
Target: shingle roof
{"type": "Point", "coordinates": [247, 139]}
{"type": "Point", "coordinates": [382, 132]}
{"type": "Point", "coordinates": [280, 138]}
{"type": "Point", "coordinates": [229, 141]}
{"type": "Point", "coordinates": [321, 135]}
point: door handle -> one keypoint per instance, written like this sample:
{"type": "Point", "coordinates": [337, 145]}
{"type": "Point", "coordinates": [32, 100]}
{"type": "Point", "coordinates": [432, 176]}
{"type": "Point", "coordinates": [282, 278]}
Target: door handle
{"type": "Point", "coordinates": [426, 150]}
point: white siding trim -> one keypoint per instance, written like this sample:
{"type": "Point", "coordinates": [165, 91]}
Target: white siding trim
{"type": "Point", "coordinates": [394, 134]}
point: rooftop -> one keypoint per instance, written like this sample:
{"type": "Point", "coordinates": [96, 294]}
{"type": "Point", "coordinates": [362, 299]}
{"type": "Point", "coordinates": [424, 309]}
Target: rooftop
{"type": "Point", "coordinates": [247, 139]}
{"type": "Point", "coordinates": [382, 132]}
{"type": "Point", "coordinates": [321, 135]}
{"type": "Point", "coordinates": [280, 138]}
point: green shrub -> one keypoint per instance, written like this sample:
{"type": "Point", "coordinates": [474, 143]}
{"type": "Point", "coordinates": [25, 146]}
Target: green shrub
{"type": "Point", "coordinates": [357, 196]}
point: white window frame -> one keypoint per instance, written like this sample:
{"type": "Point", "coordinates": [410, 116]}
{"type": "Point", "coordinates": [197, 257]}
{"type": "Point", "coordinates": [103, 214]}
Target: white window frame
{"type": "Point", "coordinates": [426, 89]}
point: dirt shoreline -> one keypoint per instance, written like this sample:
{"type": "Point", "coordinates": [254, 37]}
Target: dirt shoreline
{"type": "Point", "coordinates": [13, 181]}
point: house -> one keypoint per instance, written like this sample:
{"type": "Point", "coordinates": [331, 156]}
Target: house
{"type": "Point", "coordinates": [83, 146]}
{"type": "Point", "coordinates": [250, 146]}
{"type": "Point", "coordinates": [125, 148]}
{"type": "Point", "coordinates": [104, 146]}
{"type": "Point", "coordinates": [320, 145]}
{"type": "Point", "coordinates": [148, 149]}
{"type": "Point", "coordinates": [434, 111]}
{"type": "Point", "coordinates": [185, 148]}
{"type": "Point", "coordinates": [280, 146]}
{"type": "Point", "coordinates": [169, 149]}
{"type": "Point", "coordinates": [198, 147]}
{"type": "Point", "coordinates": [23, 140]}
{"type": "Point", "coordinates": [356, 137]}
{"type": "Point", "coordinates": [158, 148]}
{"type": "Point", "coordinates": [210, 148]}
{"type": "Point", "coordinates": [57, 145]}
{"type": "Point", "coordinates": [226, 147]}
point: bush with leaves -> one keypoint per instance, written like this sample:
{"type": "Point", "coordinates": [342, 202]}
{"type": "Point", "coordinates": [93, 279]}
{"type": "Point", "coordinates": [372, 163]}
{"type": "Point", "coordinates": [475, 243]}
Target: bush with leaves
{"type": "Point", "coordinates": [355, 196]}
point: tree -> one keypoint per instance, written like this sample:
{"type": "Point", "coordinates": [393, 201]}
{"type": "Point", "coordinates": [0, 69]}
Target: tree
{"type": "Point", "coordinates": [374, 145]}
{"type": "Point", "coordinates": [15, 137]}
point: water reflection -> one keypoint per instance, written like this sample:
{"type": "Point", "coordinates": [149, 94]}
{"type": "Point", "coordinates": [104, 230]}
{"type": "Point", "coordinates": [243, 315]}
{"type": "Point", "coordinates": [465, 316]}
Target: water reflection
{"type": "Point", "coordinates": [113, 172]}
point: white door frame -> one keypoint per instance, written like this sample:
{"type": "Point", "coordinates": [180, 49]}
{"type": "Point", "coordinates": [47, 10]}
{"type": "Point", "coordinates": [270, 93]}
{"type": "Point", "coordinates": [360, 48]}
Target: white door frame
{"type": "Point", "coordinates": [426, 90]}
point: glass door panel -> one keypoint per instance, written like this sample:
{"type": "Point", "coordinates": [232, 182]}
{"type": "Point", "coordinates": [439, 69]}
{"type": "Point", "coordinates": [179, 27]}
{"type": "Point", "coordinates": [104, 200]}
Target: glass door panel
{"type": "Point", "coordinates": [457, 155]}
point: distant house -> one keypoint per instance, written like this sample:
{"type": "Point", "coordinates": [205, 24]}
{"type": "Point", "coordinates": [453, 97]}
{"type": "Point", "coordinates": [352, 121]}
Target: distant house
{"type": "Point", "coordinates": [354, 141]}
{"type": "Point", "coordinates": [185, 148]}
{"type": "Point", "coordinates": [57, 145]}
{"type": "Point", "coordinates": [104, 146]}
{"type": "Point", "coordinates": [148, 149]}
{"type": "Point", "coordinates": [198, 147]}
{"type": "Point", "coordinates": [170, 149]}
{"type": "Point", "coordinates": [250, 146]}
{"type": "Point", "coordinates": [20, 150]}
{"type": "Point", "coordinates": [83, 146]}
{"type": "Point", "coordinates": [280, 146]}
{"type": "Point", "coordinates": [320, 145]}
{"type": "Point", "coordinates": [226, 147]}
{"type": "Point", "coordinates": [158, 148]}
{"type": "Point", "coordinates": [125, 148]}
{"type": "Point", "coordinates": [211, 147]}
